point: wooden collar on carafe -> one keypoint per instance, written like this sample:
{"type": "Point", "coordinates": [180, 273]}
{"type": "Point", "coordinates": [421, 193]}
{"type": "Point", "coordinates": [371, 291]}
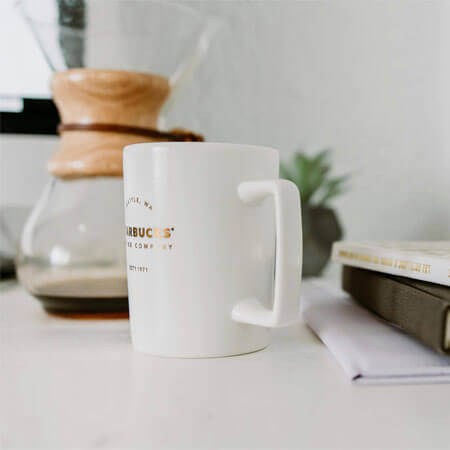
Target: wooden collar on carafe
{"type": "Point", "coordinates": [174, 135]}
{"type": "Point", "coordinates": [95, 149]}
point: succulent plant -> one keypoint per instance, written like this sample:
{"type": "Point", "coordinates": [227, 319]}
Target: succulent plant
{"type": "Point", "coordinates": [317, 188]}
{"type": "Point", "coordinates": [311, 174]}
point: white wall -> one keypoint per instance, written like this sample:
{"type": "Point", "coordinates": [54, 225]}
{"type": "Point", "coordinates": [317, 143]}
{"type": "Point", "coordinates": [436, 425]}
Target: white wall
{"type": "Point", "coordinates": [367, 78]}
{"type": "Point", "coordinates": [23, 70]}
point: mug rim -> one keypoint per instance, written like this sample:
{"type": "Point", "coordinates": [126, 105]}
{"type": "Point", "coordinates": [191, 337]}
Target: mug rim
{"type": "Point", "coordinates": [215, 146]}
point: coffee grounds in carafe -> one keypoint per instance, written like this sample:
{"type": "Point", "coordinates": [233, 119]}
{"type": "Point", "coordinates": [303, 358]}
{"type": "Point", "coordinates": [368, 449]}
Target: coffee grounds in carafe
{"type": "Point", "coordinates": [84, 294]}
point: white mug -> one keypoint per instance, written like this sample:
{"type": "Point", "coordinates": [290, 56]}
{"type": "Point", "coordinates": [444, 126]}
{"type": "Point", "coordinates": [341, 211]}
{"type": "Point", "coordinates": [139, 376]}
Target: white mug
{"type": "Point", "coordinates": [205, 223]}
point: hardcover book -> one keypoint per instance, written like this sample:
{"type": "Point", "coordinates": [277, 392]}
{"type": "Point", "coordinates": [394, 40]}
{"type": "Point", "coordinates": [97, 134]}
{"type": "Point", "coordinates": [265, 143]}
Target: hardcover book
{"type": "Point", "coordinates": [421, 309]}
{"type": "Point", "coordinates": [421, 260]}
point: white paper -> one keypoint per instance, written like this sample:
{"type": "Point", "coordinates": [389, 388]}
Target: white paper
{"type": "Point", "coordinates": [370, 350]}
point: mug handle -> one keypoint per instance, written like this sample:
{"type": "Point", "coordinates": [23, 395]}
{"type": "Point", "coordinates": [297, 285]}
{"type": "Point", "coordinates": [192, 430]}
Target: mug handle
{"type": "Point", "coordinates": [285, 310]}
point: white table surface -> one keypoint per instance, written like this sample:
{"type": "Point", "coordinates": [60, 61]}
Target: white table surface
{"type": "Point", "coordinates": [78, 384]}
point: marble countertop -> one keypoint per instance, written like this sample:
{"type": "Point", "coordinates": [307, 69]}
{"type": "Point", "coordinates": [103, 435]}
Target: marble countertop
{"type": "Point", "coordinates": [78, 384]}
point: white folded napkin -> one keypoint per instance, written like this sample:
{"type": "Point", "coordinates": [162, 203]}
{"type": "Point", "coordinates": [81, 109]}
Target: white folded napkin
{"type": "Point", "coordinates": [370, 350]}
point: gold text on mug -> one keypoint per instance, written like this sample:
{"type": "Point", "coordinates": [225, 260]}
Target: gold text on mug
{"type": "Point", "coordinates": [143, 232]}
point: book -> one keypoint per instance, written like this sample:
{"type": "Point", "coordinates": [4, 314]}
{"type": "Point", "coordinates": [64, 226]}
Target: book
{"type": "Point", "coordinates": [421, 260]}
{"type": "Point", "coordinates": [420, 308]}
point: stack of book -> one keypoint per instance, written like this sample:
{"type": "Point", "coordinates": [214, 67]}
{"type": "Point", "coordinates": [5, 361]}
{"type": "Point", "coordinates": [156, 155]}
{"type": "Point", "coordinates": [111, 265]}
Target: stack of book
{"type": "Point", "coordinates": [405, 283]}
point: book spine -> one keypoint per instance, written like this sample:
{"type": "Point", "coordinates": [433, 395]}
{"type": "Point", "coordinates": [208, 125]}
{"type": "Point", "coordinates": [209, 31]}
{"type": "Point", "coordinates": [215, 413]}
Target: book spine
{"type": "Point", "coordinates": [417, 312]}
{"type": "Point", "coordinates": [419, 267]}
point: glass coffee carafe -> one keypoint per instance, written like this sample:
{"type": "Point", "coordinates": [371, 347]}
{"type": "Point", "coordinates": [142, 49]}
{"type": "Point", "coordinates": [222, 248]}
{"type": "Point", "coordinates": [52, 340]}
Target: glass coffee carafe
{"type": "Point", "coordinates": [118, 65]}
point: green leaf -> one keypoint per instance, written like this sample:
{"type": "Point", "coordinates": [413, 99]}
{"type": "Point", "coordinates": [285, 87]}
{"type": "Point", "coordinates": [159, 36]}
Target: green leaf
{"type": "Point", "coordinates": [285, 173]}
{"type": "Point", "coordinates": [303, 175]}
{"type": "Point", "coordinates": [311, 175]}
{"type": "Point", "coordinates": [332, 188]}
{"type": "Point", "coordinates": [316, 178]}
{"type": "Point", "coordinates": [321, 158]}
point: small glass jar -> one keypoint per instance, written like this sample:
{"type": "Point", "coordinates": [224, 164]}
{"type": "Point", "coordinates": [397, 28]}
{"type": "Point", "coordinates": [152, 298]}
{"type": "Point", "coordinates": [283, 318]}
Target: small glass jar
{"type": "Point", "coordinates": [72, 252]}
{"type": "Point", "coordinates": [118, 65]}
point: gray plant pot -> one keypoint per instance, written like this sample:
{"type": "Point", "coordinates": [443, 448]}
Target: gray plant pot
{"type": "Point", "coordinates": [321, 228]}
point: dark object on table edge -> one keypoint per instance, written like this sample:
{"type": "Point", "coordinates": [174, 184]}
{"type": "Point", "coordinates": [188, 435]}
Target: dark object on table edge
{"type": "Point", "coordinates": [7, 267]}
{"type": "Point", "coordinates": [39, 116]}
